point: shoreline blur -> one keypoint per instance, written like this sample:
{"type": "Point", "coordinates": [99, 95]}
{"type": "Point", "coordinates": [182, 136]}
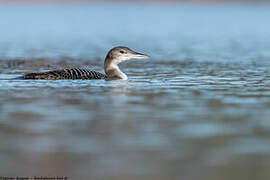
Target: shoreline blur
{"type": "Point", "coordinates": [138, 1]}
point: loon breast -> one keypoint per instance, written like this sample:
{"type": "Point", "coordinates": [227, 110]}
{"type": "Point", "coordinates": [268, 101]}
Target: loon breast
{"type": "Point", "coordinates": [73, 73]}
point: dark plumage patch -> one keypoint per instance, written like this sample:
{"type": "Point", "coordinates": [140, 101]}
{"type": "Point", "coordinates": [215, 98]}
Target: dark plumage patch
{"type": "Point", "coordinates": [73, 73]}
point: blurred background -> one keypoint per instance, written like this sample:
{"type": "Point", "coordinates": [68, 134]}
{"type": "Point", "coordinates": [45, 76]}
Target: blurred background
{"type": "Point", "coordinates": [197, 109]}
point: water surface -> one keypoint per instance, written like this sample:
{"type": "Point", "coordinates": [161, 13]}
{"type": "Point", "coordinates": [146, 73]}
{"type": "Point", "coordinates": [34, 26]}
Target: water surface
{"type": "Point", "coordinates": [197, 109]}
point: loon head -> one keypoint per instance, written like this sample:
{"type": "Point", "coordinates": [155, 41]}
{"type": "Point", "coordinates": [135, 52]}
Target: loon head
{"type": "Point", "coordinates": [117, 55]}
{"type": "Point", "coordinates": [120, 54]}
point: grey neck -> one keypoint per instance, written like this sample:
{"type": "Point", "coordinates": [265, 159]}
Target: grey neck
{"type": "Point", "coordinates": [112, 70]}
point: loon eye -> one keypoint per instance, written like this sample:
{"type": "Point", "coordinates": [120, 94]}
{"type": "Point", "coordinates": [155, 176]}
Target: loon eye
{"type": "Point", "coordinates": [122, 52]}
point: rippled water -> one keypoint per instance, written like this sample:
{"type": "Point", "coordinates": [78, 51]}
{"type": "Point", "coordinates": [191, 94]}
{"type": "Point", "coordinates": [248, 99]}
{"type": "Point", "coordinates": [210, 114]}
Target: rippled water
{"type": "Point", "coordinates": [198, 109]}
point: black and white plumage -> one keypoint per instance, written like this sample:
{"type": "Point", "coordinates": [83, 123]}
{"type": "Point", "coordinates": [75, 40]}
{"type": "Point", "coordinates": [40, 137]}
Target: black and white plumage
{"type": "Point", "coordinates": [114, 57]}
{"type": "Point", "coordinates": [73, 73]}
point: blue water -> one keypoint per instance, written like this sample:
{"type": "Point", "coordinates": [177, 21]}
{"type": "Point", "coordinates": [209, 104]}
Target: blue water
{"type": "Point", "coordinates": [197, 109]}
{"type": "Point", "coordinates": [171, 32]}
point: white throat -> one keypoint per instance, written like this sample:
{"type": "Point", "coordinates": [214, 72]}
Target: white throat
{"type": "Point", "coordinates": [113, 71]}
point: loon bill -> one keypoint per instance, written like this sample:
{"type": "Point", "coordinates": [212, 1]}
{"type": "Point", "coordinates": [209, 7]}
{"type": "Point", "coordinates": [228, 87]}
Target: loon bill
{"type": "Point", "coordinates": [114, 57]}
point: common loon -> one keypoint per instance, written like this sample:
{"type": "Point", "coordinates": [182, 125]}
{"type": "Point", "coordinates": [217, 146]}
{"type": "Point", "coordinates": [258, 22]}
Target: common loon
{"type": "Point", "coordinates": [114, 57]}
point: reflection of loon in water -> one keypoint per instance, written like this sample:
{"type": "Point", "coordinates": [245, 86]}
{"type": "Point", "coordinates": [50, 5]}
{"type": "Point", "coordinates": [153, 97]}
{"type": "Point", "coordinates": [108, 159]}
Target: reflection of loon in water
{"type": "Point", "coordinates": [113, 58]}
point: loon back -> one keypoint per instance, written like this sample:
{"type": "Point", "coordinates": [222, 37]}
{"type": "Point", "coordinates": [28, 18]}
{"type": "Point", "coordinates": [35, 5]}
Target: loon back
{"type": "Point", "coordinates": [73, 73]}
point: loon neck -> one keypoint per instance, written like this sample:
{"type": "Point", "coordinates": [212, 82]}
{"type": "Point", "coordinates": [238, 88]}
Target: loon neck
{"type": "Point", "coordinates": [112, 69]}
